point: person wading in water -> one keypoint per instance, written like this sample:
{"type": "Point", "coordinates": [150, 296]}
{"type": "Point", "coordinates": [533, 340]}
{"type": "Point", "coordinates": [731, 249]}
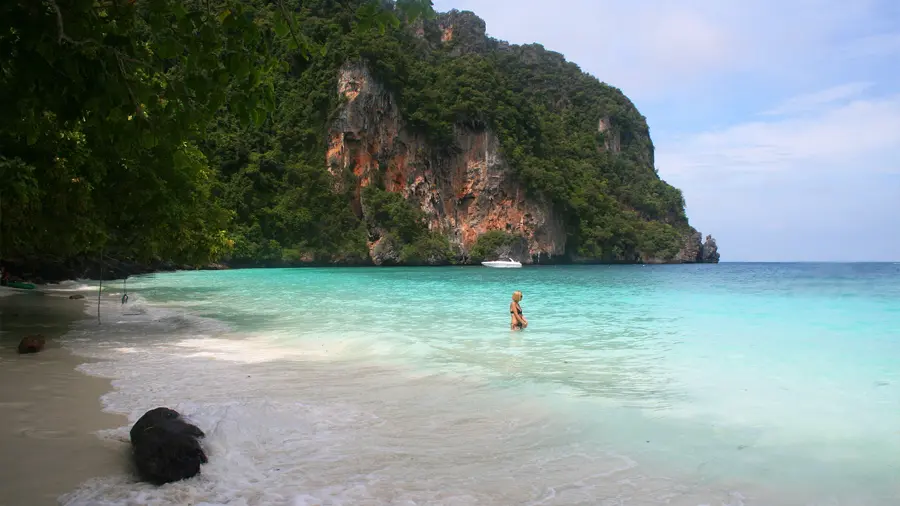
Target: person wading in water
{"type": "Point", "coordinates": [518, 321]}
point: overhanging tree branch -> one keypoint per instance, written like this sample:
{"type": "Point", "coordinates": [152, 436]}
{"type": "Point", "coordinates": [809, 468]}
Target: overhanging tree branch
{"type": "Point", "coordinates": [120, 57]}
{"type": "Point", "coordinates": [62, 33]}
{"type": "Point", "coordinates": [290, 23]}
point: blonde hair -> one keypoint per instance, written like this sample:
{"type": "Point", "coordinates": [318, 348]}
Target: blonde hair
{"type": "Point", "coordinates": [517, 296]}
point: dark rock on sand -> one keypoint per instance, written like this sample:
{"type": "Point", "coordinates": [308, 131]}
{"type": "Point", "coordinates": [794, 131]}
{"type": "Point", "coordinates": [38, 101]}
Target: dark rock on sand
{"type": "Point", "coordinates": [166, 447]}
{"type": "Point", "coordinates": [76, 296]}
{"type": "Point", "coordinates": [32, 344]}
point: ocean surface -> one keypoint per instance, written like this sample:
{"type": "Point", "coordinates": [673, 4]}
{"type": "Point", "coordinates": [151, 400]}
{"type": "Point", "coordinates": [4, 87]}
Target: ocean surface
{"type": "Point", "coordinates": [728, 384]}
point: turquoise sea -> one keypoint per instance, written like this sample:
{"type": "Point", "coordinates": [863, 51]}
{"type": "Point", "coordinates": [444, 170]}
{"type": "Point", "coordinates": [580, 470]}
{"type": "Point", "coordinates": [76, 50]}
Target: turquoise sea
{"type": "Point", "coordinates": [728, 384]}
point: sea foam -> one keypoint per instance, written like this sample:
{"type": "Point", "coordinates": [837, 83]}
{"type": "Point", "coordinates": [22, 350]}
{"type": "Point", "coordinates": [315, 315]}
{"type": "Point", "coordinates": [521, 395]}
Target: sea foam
{"type": "Point", "coordinates": [360, 387]}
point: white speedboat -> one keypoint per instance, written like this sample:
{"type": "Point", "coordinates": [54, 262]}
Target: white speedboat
{"type": "Point", "coordinates": [509, 263]}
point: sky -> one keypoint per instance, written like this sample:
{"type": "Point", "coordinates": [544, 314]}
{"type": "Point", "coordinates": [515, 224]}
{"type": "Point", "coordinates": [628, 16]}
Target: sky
{"type": "Point", "coordinates": [778, 119]}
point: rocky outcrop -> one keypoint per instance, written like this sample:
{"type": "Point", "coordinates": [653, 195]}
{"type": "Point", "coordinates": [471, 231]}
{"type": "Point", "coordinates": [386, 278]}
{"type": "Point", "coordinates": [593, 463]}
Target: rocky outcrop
{"type": "Point", "coordinates": [696, 251]}
{"type": "Point", "coordinates": [464, 192]}
{"type": "Point", "coordinates": [32, 344]}
{"type": "Point", "coordinates": [166, 448]}
{"type": "Point", "coordinates": [612, 141]}
{"type": "Point", "coordinates": [690, 251]}
{"type": "Point", "coordinates": [516, 248]}
{"type": "Point", "coordinates": [709, 252]}
{"type": "Point", "coordinates": [462, 31]}
{"type": "Point", "coordinates": [385, 251]}
{"type": "Point", "coordinates": [693, 250]}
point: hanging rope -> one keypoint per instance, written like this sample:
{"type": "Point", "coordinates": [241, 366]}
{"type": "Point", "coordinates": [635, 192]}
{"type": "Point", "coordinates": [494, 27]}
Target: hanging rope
{"type": "Point", "coordinates": [1, 233]}
{"type": "Point", "coordinates": [125, 289]}
{"type": "Point", "coordinates": [99, 291]}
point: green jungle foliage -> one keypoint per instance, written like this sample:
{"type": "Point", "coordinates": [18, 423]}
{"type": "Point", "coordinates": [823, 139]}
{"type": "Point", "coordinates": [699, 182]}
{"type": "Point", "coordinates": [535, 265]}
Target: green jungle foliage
{"type": "Point", "coordinates": [196, 131]}
{"type": "Point", "coordinates": [491, 243]}
{"type": "Point", "coordinates": [107, 104]}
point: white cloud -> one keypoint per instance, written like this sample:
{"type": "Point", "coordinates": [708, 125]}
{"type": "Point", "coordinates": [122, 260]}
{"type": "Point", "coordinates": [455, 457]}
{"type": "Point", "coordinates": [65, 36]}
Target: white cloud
{"type": "Point", "coordinates": [813, 101]}
{"type": "Point", "coordinates": [639, 47]}
{"type": "Point", "coordinates": [812, 186]}
{"type": "Point", "coordinates": [813, 177]}
{"type": "Point", "coordinates": [860, 136]}
{"type": "Point", "coordinates": [807, 216]}
{"type": "Point", "coordinates": [657, 48]}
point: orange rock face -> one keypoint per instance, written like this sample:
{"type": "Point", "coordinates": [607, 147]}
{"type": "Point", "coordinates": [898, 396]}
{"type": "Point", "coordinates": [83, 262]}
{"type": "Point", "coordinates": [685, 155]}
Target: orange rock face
{"type": "Point", "coordinates": [464, 194]}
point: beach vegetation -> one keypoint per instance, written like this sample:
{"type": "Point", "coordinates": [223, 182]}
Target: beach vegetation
{"type": "Point", "coordinates": [195, 131]}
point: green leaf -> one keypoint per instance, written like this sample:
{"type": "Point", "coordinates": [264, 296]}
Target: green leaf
{"type": "Point", "coordinates": [180, 160]}
{"type": "Point", "coordinates": [242, 68]}
{"type": "Point", "coordinates": [250, 34]}
{"type": "Point", "coordinates": [157, 21]}
{"type": "Point", "coordinates": [178, 10]}
{"type": "Point", "coordinates": [216, 100]}
{"type": "Point", "coordinates": [223, 16]}
{"type": "Point", "coordinates": [208, 33]}
{"type": "Point", "coordinates": [232, 62]}
{"type": "Point", "coordinates": [385, 19]}
{"type": "Point", "coordinates": [414, 9]}
{"type": "Point", "coordinates": [148, 140]}
{"type": "Point", "coordinates": [269, 92]}
{"type": "Point", "coordinates": [365, 15]}
{"type": "Point", "coordinates": [257, 116]}
{"type": "Point", "coordinates": [281, 26]}
{"type": "Point", "coordinates": [167, 48]}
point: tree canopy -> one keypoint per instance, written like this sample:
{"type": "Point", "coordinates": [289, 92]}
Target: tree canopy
{"type": "Point", "coordinates": [106, 103]}
{"type": "Point", "coordinates": [195, 130]}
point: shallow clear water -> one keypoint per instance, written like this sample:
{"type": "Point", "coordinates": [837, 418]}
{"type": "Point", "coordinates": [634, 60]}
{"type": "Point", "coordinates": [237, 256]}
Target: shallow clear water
{"type": "Point", "coordinates": [710, 384]}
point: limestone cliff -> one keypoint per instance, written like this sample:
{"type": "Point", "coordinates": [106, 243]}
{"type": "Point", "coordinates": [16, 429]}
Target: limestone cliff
{"type": "Point", "coordinates": [469, 187]}
{"type": "Point", "coordinates": [464, 194]}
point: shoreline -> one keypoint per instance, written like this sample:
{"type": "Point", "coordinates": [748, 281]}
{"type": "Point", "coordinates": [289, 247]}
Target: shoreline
{"type": "Point", "coordinates": [162, 354]}
{"type": "Point", "coordinates": [118, 273]}
{"type": "Point", "coordinates": [51, 412]}
{"type": "Point", "coordinates": [325, 398]}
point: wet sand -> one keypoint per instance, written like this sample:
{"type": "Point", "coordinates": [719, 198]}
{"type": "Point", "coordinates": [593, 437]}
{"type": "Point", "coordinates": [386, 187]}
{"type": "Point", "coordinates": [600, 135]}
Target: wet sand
{"type": "Point", "coordinates": [49, 412]}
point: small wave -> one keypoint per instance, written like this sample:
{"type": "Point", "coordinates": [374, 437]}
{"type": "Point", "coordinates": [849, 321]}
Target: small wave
{"type": "Point", "coordinates": [284, 430]}
{"type": "Point", "coordinates": [6, 291]}
{"type": "Point", "coordinates": [71, 286]}
{"type": "Point", "coordinates": [302, 404]}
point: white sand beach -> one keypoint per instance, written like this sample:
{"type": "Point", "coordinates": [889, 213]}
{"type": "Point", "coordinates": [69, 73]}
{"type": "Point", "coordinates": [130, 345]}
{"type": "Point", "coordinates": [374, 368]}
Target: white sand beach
{"type": "Point", "coordinates": [49, 412]}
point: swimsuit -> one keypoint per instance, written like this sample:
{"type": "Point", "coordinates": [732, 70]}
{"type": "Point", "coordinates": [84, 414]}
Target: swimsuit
{"type": "Point", "coordinates": [518, 324]}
